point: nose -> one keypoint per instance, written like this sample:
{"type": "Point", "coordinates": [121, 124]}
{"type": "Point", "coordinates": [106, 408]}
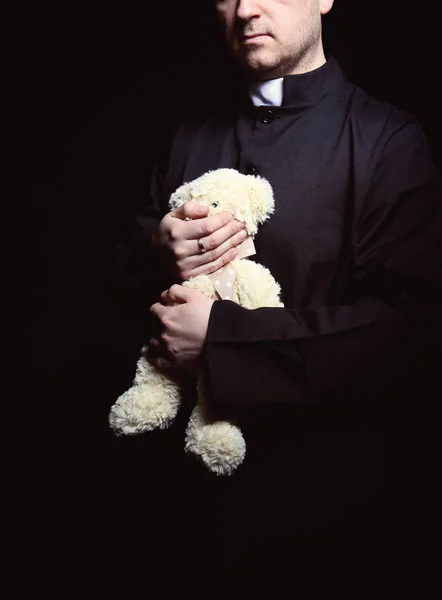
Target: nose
{"type": "Point", "coordinates": [247, 9]}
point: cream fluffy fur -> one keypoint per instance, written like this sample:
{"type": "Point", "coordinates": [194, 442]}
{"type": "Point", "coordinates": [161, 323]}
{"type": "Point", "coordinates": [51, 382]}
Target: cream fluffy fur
{"type": "Point", "coordinates": [154, 398]}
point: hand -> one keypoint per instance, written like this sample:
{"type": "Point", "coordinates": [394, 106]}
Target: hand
{"type": "Point", "coordinates": [184, 329]}
{"type": "Point", "coordinates": [176, 240]}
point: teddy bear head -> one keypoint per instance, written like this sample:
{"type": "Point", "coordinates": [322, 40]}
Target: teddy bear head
{"type": "Point", "coordinates": [248, 197]}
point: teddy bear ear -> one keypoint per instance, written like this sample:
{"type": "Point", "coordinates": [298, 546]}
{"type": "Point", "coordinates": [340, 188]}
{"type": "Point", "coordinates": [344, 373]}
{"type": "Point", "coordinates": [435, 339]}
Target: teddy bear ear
{"type": "Point", "coordinates": [262, 203]}
{"type": "Point", "coordinates": [179, 196]}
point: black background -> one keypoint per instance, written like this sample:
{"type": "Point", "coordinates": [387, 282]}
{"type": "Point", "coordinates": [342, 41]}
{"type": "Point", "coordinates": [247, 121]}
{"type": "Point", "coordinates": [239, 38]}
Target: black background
{"type": "Point", "coordinates": [104, 87]}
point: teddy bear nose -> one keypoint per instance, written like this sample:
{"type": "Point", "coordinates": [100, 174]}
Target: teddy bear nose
{"type": "Point", "coordinates": [214, 204]}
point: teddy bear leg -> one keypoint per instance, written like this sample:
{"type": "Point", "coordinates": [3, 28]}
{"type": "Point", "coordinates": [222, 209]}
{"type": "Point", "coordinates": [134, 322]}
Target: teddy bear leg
{"type": "Point", "coordinates": [219, 445]}
{"type": "Point", "coordinates": [151, 403]}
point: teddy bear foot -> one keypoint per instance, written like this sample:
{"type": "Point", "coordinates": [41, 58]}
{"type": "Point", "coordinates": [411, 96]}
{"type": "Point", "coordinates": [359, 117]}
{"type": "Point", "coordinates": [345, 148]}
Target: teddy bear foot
{"type": "Point", "coordinates": [220, 446]}
{"type": "Point", "coordinates": [143, 408]}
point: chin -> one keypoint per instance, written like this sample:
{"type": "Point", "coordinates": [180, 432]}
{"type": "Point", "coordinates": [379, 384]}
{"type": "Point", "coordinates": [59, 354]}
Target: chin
{"type": "Point", "coordinates": [256, 61]}
{"type": "Point", "coordinates": [261, 71]}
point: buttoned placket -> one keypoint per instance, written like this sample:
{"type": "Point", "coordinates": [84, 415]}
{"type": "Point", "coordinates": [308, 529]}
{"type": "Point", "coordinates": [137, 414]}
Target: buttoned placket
{"type": "Point", "coordinates": [264, 118]}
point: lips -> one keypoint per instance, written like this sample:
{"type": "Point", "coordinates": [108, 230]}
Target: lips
{"type": "Point", "coordinates": [252, 36]}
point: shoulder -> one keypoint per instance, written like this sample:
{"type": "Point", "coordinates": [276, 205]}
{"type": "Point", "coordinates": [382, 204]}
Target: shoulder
{"type": "Point", "coordinates": [374, 115]}
{"type": "Point", "coordinates": [389, 135]}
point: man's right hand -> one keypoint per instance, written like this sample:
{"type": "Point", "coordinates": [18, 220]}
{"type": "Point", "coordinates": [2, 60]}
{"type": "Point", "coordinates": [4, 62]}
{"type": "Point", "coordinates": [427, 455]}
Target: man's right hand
{"type": "Point", "coordinates": [176, 240]}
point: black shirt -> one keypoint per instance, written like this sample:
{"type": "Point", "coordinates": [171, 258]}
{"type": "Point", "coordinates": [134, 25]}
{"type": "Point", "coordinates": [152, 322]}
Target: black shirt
{"type": "Point", "coordinates": [355, 243]}
{"type": "Point", "coordinates": [355, 240]}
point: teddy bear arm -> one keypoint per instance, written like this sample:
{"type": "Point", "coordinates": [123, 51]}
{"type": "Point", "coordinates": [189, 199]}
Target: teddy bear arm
{"type": "Point", "coordinates": [255, 286]}
{"type": "Point", "coordinates": [202, 284]}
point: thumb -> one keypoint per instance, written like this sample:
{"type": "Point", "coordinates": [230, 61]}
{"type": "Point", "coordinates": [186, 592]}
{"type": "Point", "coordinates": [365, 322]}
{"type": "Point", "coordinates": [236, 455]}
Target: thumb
{"type": "Point", "coordinates": [190, 210]}
{"type": "Point", "coordinates": [176, 293]}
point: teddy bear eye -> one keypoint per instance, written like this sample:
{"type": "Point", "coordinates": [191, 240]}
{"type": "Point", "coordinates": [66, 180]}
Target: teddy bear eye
{"type": "Point", "coordinates": [214, 204]}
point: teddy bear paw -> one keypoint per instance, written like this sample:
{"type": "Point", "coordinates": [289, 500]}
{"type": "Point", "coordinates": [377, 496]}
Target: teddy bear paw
{"type": "Point", "coordinates": [142, 409]}
{"type": "Point", "coordinates": [220, 446]}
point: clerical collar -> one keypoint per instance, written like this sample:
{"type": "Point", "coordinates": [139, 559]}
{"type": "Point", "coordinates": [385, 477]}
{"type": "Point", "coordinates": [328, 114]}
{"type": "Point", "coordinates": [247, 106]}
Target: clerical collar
{"type": "Point", "coordinates": [266, 93]}
{"type": "Point", "coordinates": [298, 92]}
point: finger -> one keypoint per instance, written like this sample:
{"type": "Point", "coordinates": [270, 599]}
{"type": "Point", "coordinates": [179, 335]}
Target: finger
{"type": "Point", "coordinates": [204, 227]}
{"type": "Point", "coordinates": [190, 210]}
{"type": "Point", "coordinates": [214, 250]}
{"type": "Point", "coordinates": [195, 268]}
{"type": "Point", "coordinates": [221, 241]}
{"type": "Point", "coordinates": [161, 363]}
{"type": "Point", "coordinates": [158, 310]}
{"type": "Point", "coordinates": [177, 293]}
{"type": "Point", "coordinates": [154, 345]}
{"type": "Point", "coordinates": [158, 350]}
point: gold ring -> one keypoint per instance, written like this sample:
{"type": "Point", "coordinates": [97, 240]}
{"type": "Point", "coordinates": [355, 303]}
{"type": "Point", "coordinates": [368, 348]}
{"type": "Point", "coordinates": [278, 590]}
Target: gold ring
{"type": "Point", "coordinates": [201, 246]}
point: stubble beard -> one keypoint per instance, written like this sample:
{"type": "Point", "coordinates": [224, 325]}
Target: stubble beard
{"type": "Point", "coordinates": [298, 58]}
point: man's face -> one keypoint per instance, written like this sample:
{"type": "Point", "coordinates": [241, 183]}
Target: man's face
{"type": "Point", "coordinates": [272, 38]}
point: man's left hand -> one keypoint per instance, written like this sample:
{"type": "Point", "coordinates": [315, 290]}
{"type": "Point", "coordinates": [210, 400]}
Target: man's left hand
{"type": "Point", "coordinates": [184, 329]}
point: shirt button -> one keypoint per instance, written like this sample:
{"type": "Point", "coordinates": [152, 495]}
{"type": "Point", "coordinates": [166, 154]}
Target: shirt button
{"type": "Point", "coordinates": [251, 170]}
{"type": "Point", "coordinates": [267, 116]}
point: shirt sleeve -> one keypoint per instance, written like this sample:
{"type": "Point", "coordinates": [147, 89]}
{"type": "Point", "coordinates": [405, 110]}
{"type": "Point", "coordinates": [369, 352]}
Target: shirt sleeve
{"type": "Point", "coordinates": [344, 353]}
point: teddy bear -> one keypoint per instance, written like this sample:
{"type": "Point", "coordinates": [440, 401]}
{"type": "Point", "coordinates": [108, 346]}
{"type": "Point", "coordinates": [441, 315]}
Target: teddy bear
{"type": "Point", "coordinates": [155, 396]}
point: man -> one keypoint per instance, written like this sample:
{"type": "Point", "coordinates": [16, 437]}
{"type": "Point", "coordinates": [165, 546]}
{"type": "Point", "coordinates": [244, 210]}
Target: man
{"type": "Point", "coordinates": [355, 245]}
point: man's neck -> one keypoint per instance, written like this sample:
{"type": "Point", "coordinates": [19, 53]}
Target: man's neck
{"type": "Point", "coordinates": [309, 63]}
